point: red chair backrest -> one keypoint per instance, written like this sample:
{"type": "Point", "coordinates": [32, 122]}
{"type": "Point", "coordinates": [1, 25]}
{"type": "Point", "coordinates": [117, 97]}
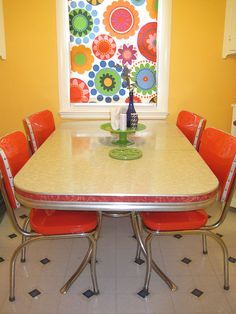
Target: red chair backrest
{"type": "Point", "coordinates": [39, 126]}
{"type": "Point", "coordinates": [14, 153]}
{"type": "Point", "coordinates": [192, 126]}
{"type": "Point", "coordinates": [218, 149]}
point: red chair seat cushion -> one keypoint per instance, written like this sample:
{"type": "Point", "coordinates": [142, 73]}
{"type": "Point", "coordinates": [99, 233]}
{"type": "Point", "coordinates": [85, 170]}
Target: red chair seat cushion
{"type": "Point", "coordinates": [49, 222]}
{"type": "Point", "coordinates": [173, 221]}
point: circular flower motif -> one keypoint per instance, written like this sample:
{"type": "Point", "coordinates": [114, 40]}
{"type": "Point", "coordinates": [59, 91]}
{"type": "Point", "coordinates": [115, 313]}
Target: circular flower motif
{"type": "Point", "coordinates": [152, 7]}
{"type": "Point", "coordinates": [81, 59]}
{"type": "Point", "coordinates": [127, 54]}
{"type": "Point", "coordinates": [121, 19]}
{"type": "Point", "coordinates": [95, 2]}
{"type": "Point", "coordinates": [104, 47]}
{"type": "Point", "coordinates": [147, 41]}
{"type": "Point", "coordinates": [144, 75]}
{"type": "Point", "coordinates": [84, 23]}
{"type": "Point", "coordinates": [81, 22]}
{"type": "Point", "coordinates": [138, 2]}
{"type": "Point", "coordinates": [79, 91]}
{"type": "Point", "coordinates": [105, 82]}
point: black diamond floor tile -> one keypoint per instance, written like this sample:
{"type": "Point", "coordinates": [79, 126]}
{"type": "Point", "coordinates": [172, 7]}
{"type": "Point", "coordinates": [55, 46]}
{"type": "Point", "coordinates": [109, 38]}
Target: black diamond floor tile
{"type": "Point", "coordinates": [23, 216]}
{"type": "Point", "coordinates": [12, 236]}
{"type": "Point", "coordinates": [219, 235]}
{"type": "Point", "coordinates": [197, 292]}
{"type": "Point", "coordinates": [34, 293]}
{"type": "Point", "coordinates": [232, 259]}
{"type": "Point", "coordinates": [178, 236]}
{"type": "Point", "coordinates": [143, 293]}
{"type": "Point", "coordinates": [2, 259]}
{"type": "Point", "coordinates": [186, 260]}
{"type": "Point", "coordinates": [209, 216]}
{"type": "Point", "coordinates": [88, 294]}
{"type": "Point", "coordinates": [139, 261]}
{"type": "Point", "coordinates": [45, 261]}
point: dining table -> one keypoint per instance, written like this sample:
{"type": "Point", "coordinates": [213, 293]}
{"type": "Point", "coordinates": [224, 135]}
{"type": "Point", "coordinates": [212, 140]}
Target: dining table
{"type": "Point", "coordinates": [74, 170]}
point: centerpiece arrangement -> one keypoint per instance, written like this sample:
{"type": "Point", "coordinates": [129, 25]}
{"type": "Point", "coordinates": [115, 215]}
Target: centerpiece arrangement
{"type": "Point", "coordinates": [127, 123]}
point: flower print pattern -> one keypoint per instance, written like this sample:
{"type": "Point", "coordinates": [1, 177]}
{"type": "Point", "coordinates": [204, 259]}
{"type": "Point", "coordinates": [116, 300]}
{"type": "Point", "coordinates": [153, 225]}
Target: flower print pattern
{"type": "Point", "coordinates": [152, 42]}
{"type": "Point", "coordinates": [136, 99]}
{"type": "Point", "coordinates": [138, 2]}
{"type": "Point", "coordinates": [127, 54]}
{"type": "Point", "coordinates": [79, 92]}
{"type": "Point", "coordinates": [83, 22]}
{"type": "Point", "coordinates": [152, 7]}
{"type": "Point", "coordinates": [95, 2]}
{"type": "Point", "coordinates": [144, 75]}
{"type": "Point", "coordinates": [105, 37]}
{"type": "Point", "coordinates": [147, 41]}
{"type": "Point", "coordinates": [104, 47]}
{"type": "Point", "coordinates": [105, 82]}
{"type": "Point", "coordinates": [121, 19]}
{"type": "Point", "coordinates": [81, 59]}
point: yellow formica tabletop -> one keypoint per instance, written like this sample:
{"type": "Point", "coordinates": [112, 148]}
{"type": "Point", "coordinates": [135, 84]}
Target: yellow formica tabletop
{"type": "Point", "coordinates": [73, 170]}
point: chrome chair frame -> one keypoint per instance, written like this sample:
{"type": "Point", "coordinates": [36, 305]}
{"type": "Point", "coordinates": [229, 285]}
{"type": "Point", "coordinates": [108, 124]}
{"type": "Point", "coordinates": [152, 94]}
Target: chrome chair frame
{"type": "Point", "coordinates": [29, 237]}
{"type": "Point", "coordinates": [204, 231]}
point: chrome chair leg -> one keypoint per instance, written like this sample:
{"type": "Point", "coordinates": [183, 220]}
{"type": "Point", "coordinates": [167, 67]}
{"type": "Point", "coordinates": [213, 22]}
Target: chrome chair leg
{"type": "Point", "coordinates": [167, 280]}
{"type": "Point", "coordinates": [204, 244]}
{"type": "Point", "coordinates": [13, 267]}
{"type": "Point", "coordinates": [139, 250]}
{"type": "Point", "coordinates": [23, 239]}
{"type": "Point", "coordinates": [79, 270]}
{"type": "Point", "coordinates": [148, 243]}
{"type": "Point", "coordinates": [93, 265]}
{"type": "Point", "coordinates": [225, 257]}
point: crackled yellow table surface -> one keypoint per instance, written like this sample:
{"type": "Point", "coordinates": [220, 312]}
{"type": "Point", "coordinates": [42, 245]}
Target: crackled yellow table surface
{"type": "Point", "coordinates": [73, 170]}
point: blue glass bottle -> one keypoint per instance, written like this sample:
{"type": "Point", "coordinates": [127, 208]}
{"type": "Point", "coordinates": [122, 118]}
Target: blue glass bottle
{"type": "Point", "coordinates": [131, 108]}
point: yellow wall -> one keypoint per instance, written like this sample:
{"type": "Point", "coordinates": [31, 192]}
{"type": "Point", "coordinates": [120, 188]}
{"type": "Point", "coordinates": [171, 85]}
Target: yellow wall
{"type": "Point", "coordinates": [200, 80]}
{"type": "Point", "coordinates": [28, 78]}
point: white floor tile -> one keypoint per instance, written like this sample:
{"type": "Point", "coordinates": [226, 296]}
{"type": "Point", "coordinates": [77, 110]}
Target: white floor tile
{"type": "Point", "coordinates": [119, 278]}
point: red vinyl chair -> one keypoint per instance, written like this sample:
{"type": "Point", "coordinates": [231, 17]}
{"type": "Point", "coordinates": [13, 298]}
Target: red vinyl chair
{"type": "Point", "coordinates": [192, 126]}
{"type": "Point", "coordinates": [44, 224]}
{"type": "Point", "coordinates": [38, 127]}
{"type": "Point", "coordinates": [218, 149]}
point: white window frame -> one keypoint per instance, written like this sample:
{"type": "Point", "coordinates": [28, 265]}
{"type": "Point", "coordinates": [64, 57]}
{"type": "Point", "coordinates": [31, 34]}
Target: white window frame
{"type": "Point", "coordinates": [102, 111]}
{"type": "Point", "coordinates": [2, 33]}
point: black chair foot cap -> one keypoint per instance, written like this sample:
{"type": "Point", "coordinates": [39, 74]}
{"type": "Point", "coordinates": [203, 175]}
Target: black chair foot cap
{"type": "Point", "coordinates": [205, 252]}
{"type": "Point", "coordinates": [143, 293]}
{"type": "Point", "coordinates": [226, 287]}
{"type": "Point", "coordinates": [89, 293]}
{"type": "Point", "coordinates": [12, 299]}
{"type": "Point", "coordinates": [139, 261]}
{"type": "Point", "coordinates": [23, 260]}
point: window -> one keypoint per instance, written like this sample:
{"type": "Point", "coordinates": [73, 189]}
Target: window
{"type": "Point", "coordinates": [90, 80]}
{"type": "Point", "coordinates": [2, 33]}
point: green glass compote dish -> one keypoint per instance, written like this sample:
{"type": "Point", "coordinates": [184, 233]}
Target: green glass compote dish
{"type": "Point", "coordinates": [123, 135]}
{"type": "Point", "coordinates": [123, 153]}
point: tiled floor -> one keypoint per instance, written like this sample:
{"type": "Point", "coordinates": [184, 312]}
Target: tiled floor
{"type": "Point", "coordinates": [119, 277]}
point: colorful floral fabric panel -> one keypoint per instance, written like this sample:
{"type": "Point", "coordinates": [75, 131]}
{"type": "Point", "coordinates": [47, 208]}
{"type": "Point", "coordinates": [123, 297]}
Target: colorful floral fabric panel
{"type": "Point", "coordinates": [105, 36]}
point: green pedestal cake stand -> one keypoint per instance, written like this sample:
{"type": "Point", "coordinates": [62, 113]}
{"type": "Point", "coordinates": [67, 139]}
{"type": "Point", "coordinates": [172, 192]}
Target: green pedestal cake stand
{"type": "Point", "coordinates": [123, 135]}
{"type": "Point", "coordinates": [123, 153]}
